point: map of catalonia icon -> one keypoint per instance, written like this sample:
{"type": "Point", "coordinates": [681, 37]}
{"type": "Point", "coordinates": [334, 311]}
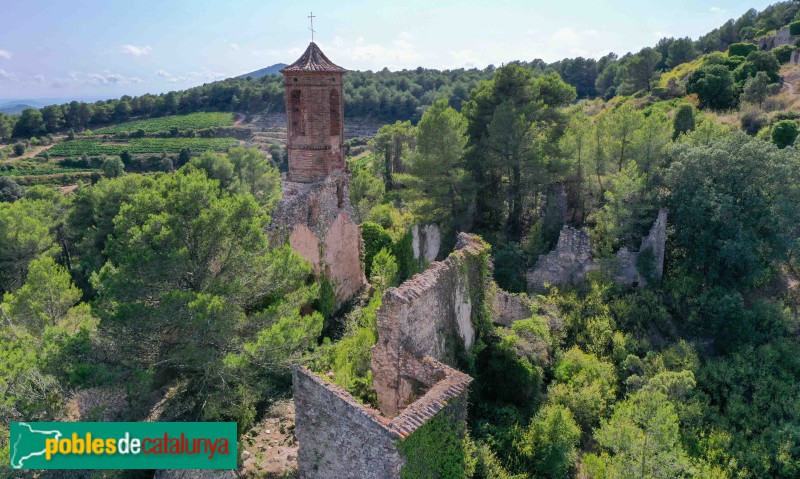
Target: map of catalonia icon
{"type": "Point", "coordinates": [27, 442]}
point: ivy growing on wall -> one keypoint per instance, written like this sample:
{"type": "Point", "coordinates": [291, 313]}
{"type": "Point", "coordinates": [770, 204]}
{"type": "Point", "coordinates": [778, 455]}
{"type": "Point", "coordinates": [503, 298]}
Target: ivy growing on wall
{"type": "Point", "coordinates": [437, 449]}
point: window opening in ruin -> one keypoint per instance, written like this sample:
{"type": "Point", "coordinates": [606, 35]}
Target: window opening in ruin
{"type": "Point", "coordinates": [336, 122]}
{"type": "Point", "coordinates": [339, 196]}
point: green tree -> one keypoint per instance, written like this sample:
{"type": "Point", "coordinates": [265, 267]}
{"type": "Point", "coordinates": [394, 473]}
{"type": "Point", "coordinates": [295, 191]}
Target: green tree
{"type": "Point", "coordinates": [621, 126]}
{"type": "Point", "coordinates": [681, 51]}
{"type": "Point", "coordinates": [586, 385]}
{"type": "Point", "coordinates": [784, 133]}
{"type": "Point", "coordinates": [641, 439]}
{"type": "Point", "coordinates": [757, 89]}
{"type": "Point", "coordinates": [733, 205]}
{"type": "Point", "coordinates": [384, 270]}
{"type": "Point", "coordinates": [684, 120]}
{"type": "Point", "coordinates": [30, 123]}
{"type": "Point", "coordinates": [514, 121]}
{"type": "Point", "coordinates": [444, 182]}
{"type": "Point", "coordinates": [189, 268]}
{"type": "Point", "coordinates": [641, 68]}
{"type": "Point", "coordinates": [10, 190]}
{"type": "Point", "coordinates": [713, 85]}
{"type": "Point", "coordinates": [619, 220]}
{"type": "Point", "coordinates": [650, 142]}
{"type": "Point", "coordinates": [392, 143]}
{"type": "Point", "coordinates": [255, 175]}
{"type": "Point", "coordinates": [375, 239]}
{"type": "Point", "coordinates": [113, 167]}
{"type": "Point", "coordinates": [45, 298]}
{"type": "Point", "coordinates": [25, 233]}
{"type": "Point", "coordinates": [548, 446]}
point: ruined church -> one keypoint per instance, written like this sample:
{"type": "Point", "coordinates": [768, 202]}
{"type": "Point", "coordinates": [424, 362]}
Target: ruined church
{"type": "Point", "coordinates": [314, 214]}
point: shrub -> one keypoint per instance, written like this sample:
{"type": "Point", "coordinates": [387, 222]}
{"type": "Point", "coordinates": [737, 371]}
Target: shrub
{"type": "Point", "coordinates": [684, 120]}
{"type": "Point", "coordinates": [113, 167]}
{"type": "Point", "coordinates": [375, 239]}
{"type": "Point", "coordinates": [19, 149]}
{"type": "Point", "coordinates": [794, 28]}
{"type": "Point", "coordinates": [784, 133]}
{"type": "Point", "coordinates": [752, 121]}
{"type": "Point", "coordinates": [783, 53]}
{"type": "Point", "coordinates": [741, 49]}
{"type": "Point", "coordinates": [714, 86]}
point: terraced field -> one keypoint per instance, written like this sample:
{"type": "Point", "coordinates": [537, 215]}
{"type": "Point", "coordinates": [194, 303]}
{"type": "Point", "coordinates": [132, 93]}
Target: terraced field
{"type": "Point", "coordinates": [92, 147]}
{"type": "Point", "coordinates": [193, 121]}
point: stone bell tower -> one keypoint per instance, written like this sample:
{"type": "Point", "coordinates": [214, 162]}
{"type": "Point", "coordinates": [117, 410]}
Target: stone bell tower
{"type": "Point", "coordinates": [314, 216]}
{"type": "Point", "coordinates": [315, 114]}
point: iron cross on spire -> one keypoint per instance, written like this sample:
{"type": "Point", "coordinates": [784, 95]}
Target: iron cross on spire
{"type": "Point", "coordinates": [311, 17]}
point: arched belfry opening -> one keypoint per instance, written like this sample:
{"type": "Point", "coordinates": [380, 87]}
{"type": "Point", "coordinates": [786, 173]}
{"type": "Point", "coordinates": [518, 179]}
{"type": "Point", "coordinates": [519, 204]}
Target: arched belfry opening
{"type": "Point", "coordinates": [336, 120]}
{"type": "Point", "coordinates": [296, 113]}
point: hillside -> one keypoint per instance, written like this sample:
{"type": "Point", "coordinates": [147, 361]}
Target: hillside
{"type": "Point", "coordinates": [270, 70]}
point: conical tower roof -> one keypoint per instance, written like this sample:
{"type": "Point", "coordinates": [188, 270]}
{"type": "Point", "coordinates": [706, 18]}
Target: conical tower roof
{"type": "Point", "coordinates": [313, 60]}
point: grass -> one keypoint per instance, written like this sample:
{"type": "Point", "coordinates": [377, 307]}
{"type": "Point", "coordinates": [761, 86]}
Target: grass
{"type": "Point", "coordinates": [91, 147]}
{"type": "Point", "coordinates": [193, 121]}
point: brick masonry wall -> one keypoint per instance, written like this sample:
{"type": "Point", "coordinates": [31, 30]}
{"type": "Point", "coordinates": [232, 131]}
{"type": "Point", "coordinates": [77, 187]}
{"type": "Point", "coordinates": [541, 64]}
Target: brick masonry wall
{"type": "Point", "coordinates": [314, 150]}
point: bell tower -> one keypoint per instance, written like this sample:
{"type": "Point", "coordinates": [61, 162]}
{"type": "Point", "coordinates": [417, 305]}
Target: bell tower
{"type": "Point", "coordinates": [315, 117]}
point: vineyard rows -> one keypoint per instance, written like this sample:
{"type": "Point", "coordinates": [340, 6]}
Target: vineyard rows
{"type": "Point", "coordinates": [139, 146]}
{"type": "Point", "coordinates": [194, 121]}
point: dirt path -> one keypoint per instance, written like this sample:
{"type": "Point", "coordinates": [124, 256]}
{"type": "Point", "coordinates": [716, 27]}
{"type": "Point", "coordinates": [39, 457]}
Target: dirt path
{"type": "Point", "coordinates": [270, 448]}
{"type": "Point", "coordinates": [31, 152]}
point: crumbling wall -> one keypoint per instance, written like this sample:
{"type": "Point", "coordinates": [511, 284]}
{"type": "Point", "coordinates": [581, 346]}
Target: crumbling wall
{"type": "Point", "coordinates": [572, 259]}
{"type": "Point", "coordinates": [316, 220]}
{"type": "Point", "coordinates": [568, 263]}
{"type": "Point", "coordinates": [342, 438]}
{"type": "Point", "coordinates": [428, 315]}
{"type": "Point", "coordinates": [508, 308]}
{"type": "Point", "coordinates": [781, 37]}
{"type": "Point", "coordinates": [426, 242]}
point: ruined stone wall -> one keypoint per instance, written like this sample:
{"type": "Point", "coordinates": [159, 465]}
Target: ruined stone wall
{"type": "Point", "coordinates": [568, 263]}
{"type": "Point", "coordinates": [508, 308]}
{"type": "Point", "coordinates": [342, 438]}
{"type": "Point", "coordinates": [316, 220]}
{"type": "Point", "coordinates": [428, 315]}
{"type": "Point", "coordinates": [426, 242]}
{"type": "Point", "coordinates": [781, 37]}
{"type": "Point", "coordinates": [572, 259]}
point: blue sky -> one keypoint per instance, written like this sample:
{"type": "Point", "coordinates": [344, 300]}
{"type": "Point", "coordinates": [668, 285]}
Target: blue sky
{"type": "Point", "coordinates": [104, 49]}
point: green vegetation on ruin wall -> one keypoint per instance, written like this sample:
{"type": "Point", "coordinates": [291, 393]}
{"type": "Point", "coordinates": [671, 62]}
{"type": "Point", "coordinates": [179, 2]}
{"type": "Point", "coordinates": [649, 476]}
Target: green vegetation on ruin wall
{"type": "Point", "coordinates": [436, 449]}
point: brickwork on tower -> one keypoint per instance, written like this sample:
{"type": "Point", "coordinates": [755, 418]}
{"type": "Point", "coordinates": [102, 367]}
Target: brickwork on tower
{"type": "Point", "coordinates": [315, 113]}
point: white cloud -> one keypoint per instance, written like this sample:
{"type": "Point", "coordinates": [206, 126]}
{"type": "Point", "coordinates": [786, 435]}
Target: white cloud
{"type": "Point", "coordinates": [38, 79]}
{"type": "Point", "coordinates": [716, 10]}
{"type": "Point", "coordinates": [136, 51]}
{"type": "Point", "coordinates": [465, 59]}
{"type": "Point", "coordinates": [234, 46]}
{"type": "Point", "coordinates": [163, 74]}
{"type": "Point", "coordinates": [5, 54]}
{"type": "Point", "coordinates": [5, 75]}
{"type": "Point", "coordinates": [398, 53]}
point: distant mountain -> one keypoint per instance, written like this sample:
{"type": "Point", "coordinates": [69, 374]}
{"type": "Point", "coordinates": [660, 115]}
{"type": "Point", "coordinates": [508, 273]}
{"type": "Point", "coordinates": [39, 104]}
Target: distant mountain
{"type": "Point", "coordinates": [270, 70]}
{"type": "Point", "coordinates": [15, 108]}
